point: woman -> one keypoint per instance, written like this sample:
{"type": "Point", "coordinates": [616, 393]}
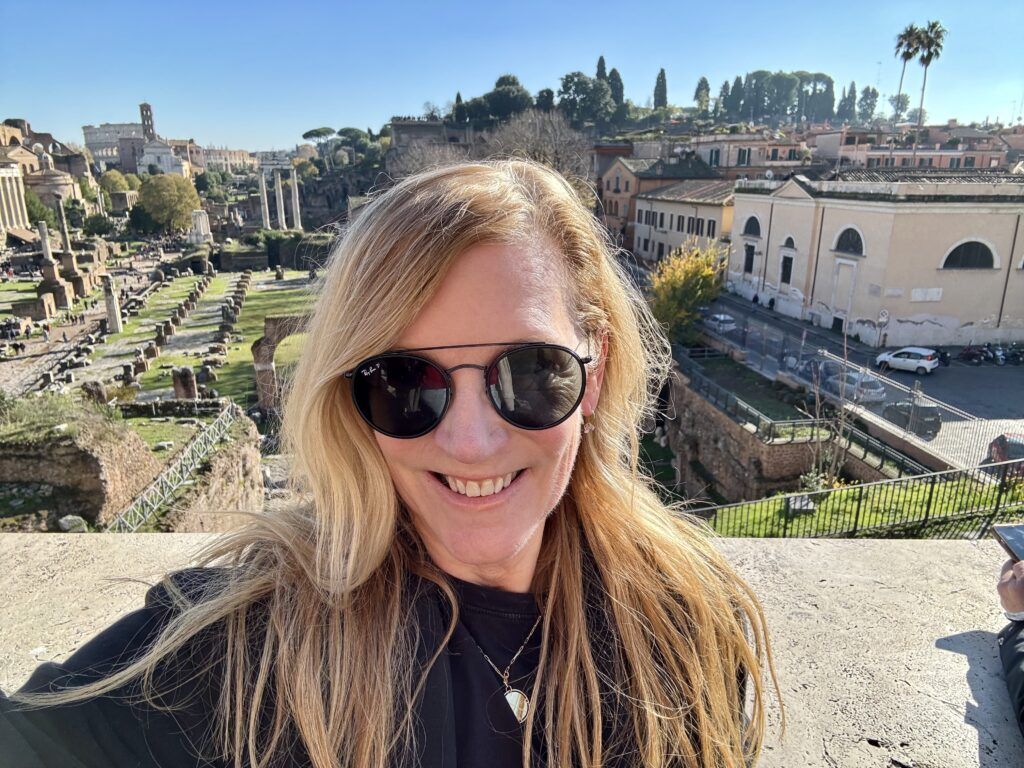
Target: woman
{"type": "Point", "coordinates": [478, 564]}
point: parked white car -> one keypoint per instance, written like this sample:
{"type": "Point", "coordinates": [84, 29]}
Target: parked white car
{"type": "Point", "coordinates": [721, 323]}
{"type": "Point", "coordinates": [919, 360]}
{"type": "Point", "coordinates": [856, 387]}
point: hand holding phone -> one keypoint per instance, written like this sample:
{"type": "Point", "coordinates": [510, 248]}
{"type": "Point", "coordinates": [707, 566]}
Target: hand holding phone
{"type": "Point", "coordinates": [1011, 538]}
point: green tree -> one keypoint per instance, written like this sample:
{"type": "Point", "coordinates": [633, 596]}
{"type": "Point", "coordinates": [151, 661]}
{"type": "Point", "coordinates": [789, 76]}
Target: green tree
{"type": "Point", "coordinates": [477, 109]}
{"type": "Point", "coordinates": [508, 98]}
{"type": "Point", "coordinates": [615, 84]}
{"type": "Point", "coordinates": [602, 74]}
{"type": "Point", "coordinates": [318, 136]}
{"type": "Point", "coordinates": [734, 104]}
{"type": "Point", "coordinates": [917, 115]}
{"type": "Point", "coordinates": [702, 96]}
{"type": "Point", "coordinates": [545, 100]}
{"type": "Point", "coordinates": [782, 90]}
{"type": "Point", "coordinates": [141, 223]}
{"type": "Point", "coordinates": [931, 40]}
{"type": "Point", "coordinates": [689, 277]}
{"type": "Point", "coordinates": [660, 90]}
{"type": "Point", "coordinates": [459, 110]}
{"type": "Point", "coordinates": [899, 104]}
{"type": "Point", "coordinates": [868, 103]}
{"type": "Point", "coordinates": [305, 169]}
{"type": "Point", "coordinates": [585, 99]}
{"type": "Point", "coordinates": [722, 103]}
{"type": "Point", "coordinates": [87, 192]}
{"type": "Point", "coordinates": [133, 181]}
{"type": "Point", "coordinates": [38, 210]}
{"type": "Point", "coordinates": [169, 200]}
{"type": "Point", "coordinates": [114, 181]}
{"type": "Point", "coordinates": [97, 224]}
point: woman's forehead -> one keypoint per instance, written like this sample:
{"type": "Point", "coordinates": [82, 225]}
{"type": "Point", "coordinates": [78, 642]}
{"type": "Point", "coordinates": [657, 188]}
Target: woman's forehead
{"type": "Point", "coordinates": [495, 292]}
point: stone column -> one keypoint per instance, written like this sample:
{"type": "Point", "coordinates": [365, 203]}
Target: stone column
{"type": "Point", "coordinates": [99, 201]}
{"type": "Point", "coordinates": [44, 237]}
{"type": "Point", "coordinates": [62, 219]}
{"type": "Point", "coordinates": [6, 209]}
{"type": "Point", "coordinates": [296, 218]}
{"type": "Point", "coordinates": [22, 205]}
{"type": "Point", "coordinates": [264, 205]}
{"type": "Point", "coordinates": [279, 195]}
{"type": "Point", "coordinates": [113, 305]}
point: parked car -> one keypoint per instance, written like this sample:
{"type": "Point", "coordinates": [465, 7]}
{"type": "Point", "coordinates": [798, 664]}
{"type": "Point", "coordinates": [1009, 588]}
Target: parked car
{"type": "Point", "coordinates": [920, 360]}
{"type": "Point", "coordinates": [817, 370]}
{"type": "Point", "coordinates": [721, 323]}
{"type": "Point", "coordinates": [856, 387]}
{"type": "Point", "coordinates": [922, 417]}
{"type": "Point", "coordinates": [1007, 447]}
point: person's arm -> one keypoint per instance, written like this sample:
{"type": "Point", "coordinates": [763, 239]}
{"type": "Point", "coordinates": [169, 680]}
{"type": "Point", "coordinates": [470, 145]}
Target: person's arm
{"type": "Point", "coordinates": [105, 732]}
{"type": "Point", "coordinates": [1011, 637]}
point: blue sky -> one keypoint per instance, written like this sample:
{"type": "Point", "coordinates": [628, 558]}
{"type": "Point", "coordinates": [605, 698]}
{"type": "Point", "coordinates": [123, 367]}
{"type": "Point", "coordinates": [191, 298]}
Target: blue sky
{"type": "Point", "coordinates": [257, 74]}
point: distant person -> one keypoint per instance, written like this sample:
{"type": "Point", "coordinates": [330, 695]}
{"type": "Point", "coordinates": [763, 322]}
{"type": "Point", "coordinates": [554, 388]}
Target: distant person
{"type": "Point", "coordinates": [1011, 637]}
{"type": "Point", "coordinates": [477, 576]}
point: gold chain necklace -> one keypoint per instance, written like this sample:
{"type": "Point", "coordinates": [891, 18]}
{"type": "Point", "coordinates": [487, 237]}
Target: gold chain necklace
{"type": "Point", "coordinates": [518, 701]}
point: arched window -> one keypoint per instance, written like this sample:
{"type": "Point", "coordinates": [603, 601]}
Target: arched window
{"type": "Point", "coordinates": [789, 243]}
{"type": "Point", "coordinates": [752, 228]}
{"type": "Point", "coordinates": [850, 242]}
{"type": "Point", "coordinates": [970, 255]}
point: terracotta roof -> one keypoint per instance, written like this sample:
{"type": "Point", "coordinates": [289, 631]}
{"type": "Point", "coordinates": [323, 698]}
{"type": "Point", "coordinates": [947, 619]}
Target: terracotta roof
{"type": "Point", "coordinates": [713, 191]}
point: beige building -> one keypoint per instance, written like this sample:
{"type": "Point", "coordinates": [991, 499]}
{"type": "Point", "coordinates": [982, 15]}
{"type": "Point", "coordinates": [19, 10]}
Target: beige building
{"type": "Point", "coordinates": [893, 257]}
{"type": "Point", "coordinates": [627, 177]}
{"type": "Point", "coordinates": [161, 155]}
{"type": "Point", "coordinates": [948, 147]}
{"type": "Point", "coordinates": [751, 155]}
{"type": "Point", "coordinates": [667, 217]}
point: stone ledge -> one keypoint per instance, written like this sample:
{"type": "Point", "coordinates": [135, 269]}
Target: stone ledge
{"type": "Point", "coordinates": [886, 650]}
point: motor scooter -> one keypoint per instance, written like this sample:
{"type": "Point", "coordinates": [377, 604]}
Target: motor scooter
{"type": "Point", "coordinates": [971, 355]}
{"type": "Point", "coordinates": [943, 355]}
{"type": "Point", "coordinates": [994, 354]}
{"type": "Point", "coordinates": [1014, 354]}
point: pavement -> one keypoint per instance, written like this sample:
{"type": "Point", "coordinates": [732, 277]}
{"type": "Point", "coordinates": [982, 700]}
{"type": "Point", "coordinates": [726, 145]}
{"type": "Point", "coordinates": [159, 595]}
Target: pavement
{"type": "Point", "coordinates": [885, 649]}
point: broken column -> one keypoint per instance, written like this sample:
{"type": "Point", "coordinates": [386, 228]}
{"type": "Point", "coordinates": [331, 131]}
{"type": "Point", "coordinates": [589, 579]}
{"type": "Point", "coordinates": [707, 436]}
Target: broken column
{"type": "Point", "coordinates": [114, 324]}
{"type": "Point", "coordinates": [184, 379]}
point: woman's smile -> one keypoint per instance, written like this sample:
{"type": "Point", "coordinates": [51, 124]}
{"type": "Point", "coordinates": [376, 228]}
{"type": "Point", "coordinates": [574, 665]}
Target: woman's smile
{"type": "Point", "coordinates": [477, 494]}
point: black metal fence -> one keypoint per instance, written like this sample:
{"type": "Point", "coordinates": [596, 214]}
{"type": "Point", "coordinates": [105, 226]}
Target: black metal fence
{"type": "Point", "coordinates": [953, 504]}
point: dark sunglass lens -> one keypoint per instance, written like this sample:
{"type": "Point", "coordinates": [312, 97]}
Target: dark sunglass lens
{"type": "Point", "coordinates": [536, 387]}
{"type": "Point", "coordinates": [400, 396]}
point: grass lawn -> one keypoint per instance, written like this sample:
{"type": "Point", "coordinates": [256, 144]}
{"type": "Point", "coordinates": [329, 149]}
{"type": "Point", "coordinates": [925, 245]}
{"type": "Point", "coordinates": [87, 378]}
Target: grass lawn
{"type": "Point", "coordinates": [878, 505]}
{"type": "Point", "coordinates": [751, 387]}
{"type": "Point", "coordinates": [237, 379]}
{"type": "Point", "coordinates": [153, 432]}
{"type": "Point", "coordinates": [15, 290]}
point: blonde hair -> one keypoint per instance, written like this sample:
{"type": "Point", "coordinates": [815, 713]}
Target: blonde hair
{"type": "Point", "coordinates": [332, 631]}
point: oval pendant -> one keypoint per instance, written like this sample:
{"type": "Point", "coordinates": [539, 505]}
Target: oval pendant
{"type": "Point", "coordinates": [518, 703]}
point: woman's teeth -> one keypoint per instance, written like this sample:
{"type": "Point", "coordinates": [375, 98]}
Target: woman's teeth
{"type": "Point", "coordinates": [480, 488]}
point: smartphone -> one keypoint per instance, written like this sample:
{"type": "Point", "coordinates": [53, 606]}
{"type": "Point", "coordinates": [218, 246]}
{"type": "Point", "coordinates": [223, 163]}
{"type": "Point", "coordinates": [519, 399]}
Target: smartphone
{"type": "Point", "coordinates": [1011, 537]}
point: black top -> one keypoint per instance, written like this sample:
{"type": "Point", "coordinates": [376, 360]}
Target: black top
{"type": "Point", "coordinates": [486, 731]}
{"type": "Point", "coordinates": [464, 716]}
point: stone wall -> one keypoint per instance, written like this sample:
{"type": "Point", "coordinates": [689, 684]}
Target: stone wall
{"type": "Point", "coordinates": [92, 477]}
{"type": "Point", "coordinates": [716, 456]}
{"type": "Point", "coordinates": [232, 482]}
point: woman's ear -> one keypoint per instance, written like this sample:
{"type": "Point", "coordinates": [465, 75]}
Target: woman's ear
{"type": "Point", "coordinates": [595, 375]}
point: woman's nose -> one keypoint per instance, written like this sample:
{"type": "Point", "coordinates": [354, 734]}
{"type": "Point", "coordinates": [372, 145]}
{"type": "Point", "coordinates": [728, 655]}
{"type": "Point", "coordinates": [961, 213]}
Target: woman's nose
{"type": "Point", "coordinates": [471, 432]}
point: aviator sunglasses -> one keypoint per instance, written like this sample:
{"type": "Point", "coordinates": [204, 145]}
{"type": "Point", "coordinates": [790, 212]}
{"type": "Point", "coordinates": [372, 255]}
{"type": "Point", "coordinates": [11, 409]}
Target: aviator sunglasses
{"type": "Point", "coordinates": [531, 386]}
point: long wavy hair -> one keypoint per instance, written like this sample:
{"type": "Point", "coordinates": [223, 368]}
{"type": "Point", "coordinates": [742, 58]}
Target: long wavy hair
{"type": "Point", "coordinates": [329, 648]}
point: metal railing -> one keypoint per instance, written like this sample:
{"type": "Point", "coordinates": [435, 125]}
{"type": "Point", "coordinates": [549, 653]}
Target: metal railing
{"type": "Point", "coordinates": [951, 504]}
{"type": "Point", "coordinates": [179, 472]}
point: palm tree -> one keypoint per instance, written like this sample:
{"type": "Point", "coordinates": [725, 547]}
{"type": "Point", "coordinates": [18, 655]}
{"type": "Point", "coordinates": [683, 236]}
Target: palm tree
{"type": "Point", "coordinates": [931, 41]}
{"type": "Point", "coordinates": [908, 43]}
